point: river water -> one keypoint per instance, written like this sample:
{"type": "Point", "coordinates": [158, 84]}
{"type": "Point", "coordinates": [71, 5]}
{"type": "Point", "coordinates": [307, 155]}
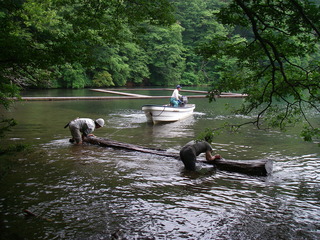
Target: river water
{"type": "Point", "coordinates": [92, 192]}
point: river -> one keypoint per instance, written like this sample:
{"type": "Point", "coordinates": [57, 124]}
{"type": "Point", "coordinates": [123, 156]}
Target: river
{"type": "Point", "coordinates": [92, 192]}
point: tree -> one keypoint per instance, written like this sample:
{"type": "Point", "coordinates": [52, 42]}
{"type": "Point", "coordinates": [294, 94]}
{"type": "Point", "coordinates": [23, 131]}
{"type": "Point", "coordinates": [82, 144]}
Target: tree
{"type": "Point", "coordinates": [275, 48]}
{"type": "Point", "coordinates": [138, 60]}
{"type": "Point", "coordinates": [199, 23]}
{"type": "Point", "coordinates": [126, 62]}
{"type": "Point", "coordinates": [102, 79]}
{"type": "Point", "coordinates": [38, 36]}
{"type": "Point", "coordinates": [73, 76]}
{"type": "Point", "coordinates": [165, 50]}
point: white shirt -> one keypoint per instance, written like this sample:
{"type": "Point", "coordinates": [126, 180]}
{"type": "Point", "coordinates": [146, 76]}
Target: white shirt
{"type": "Point", "coordinates": [85, 125]}
{"type": "Point", "coordinates": [176, 94]}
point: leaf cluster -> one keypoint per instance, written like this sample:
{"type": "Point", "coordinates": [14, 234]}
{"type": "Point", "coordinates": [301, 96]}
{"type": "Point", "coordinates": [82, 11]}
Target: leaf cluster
{"type": "Point", "coordinates": [274, 48]}
{"type": "Point", "coordinates": [54, 43]}
{"type": "Point", "coordinates": [43, 34]}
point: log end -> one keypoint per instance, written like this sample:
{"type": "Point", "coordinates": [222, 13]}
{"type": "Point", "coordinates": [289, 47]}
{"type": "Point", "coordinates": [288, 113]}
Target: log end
{"type": "Point", "coordinates": [259, 167]}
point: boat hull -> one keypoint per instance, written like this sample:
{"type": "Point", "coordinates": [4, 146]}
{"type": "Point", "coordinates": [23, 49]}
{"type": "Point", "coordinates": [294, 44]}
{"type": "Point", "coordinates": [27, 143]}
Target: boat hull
{"type": "Point", "coordinates": [166, 113]}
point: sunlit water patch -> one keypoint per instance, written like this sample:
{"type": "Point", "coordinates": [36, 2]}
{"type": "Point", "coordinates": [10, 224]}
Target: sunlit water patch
{"type": "Point", "coordinates": [126, 119]}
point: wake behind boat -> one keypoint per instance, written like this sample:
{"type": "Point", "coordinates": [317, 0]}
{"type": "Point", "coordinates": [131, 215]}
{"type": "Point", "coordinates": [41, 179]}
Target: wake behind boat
{"type": "Point", "coordinates": [167, 113]}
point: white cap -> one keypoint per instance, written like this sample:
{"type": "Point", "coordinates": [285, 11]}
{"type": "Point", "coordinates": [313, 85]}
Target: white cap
{"type": "Point", "coordinates": [100, 122]}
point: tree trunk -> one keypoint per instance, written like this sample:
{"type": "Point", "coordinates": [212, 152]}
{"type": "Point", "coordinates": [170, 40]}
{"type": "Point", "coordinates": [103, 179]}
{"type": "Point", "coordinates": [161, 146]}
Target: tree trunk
{"type": "Point", "coordinates": [127, 146]}
{"type": "Point", "coordinates": [260, 167]}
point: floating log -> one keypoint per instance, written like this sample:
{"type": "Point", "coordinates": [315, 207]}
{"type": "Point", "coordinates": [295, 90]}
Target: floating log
{"type": "Point", "coordinates": [122, 95]}
{"type": "Point", "coordinates": [31, 214]}
{"type": "Point", "coordinates": [127, 146]}
{"type": "Point", "coordinates": [260, 167]}
{"type": "Point", "coordinates": [96, 98]}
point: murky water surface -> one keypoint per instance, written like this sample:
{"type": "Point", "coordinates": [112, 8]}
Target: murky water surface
{"type": "Point", "coordinates": [92, 192]}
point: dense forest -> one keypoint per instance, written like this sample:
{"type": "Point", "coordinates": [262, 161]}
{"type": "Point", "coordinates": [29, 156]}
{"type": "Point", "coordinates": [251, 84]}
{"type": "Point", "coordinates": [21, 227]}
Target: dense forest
{"type": "Point", "coordinates": [267, 49]}
{"type": "Point", "coordinates": [114, 52]}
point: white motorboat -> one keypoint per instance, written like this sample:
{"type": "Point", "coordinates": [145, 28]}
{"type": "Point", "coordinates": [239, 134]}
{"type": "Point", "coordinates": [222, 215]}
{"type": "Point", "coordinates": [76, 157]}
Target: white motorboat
{"type": "Point", "coordinates": [167, 113]}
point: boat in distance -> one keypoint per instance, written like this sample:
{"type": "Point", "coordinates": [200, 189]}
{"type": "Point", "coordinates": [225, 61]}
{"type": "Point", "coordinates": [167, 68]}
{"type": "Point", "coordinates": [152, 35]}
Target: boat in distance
{"type": "Point", "coordinates": [167, 113]}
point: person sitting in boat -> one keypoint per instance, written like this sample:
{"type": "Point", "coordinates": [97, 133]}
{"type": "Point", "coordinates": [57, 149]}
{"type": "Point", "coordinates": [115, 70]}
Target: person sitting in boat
{"type": "Point", "coordinates": [175, 98]}
{"type": "Point", "coordinates": [190, 151]}
{"type": "Point", "coordinates": [83, 127]}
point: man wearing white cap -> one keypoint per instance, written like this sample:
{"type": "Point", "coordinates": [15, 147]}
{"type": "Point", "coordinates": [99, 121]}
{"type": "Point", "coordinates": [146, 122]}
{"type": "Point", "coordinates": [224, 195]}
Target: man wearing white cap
{"type": "Point", "coordinates": [174, 100]}
{"type": "Point", "coordinates": [82, 127]}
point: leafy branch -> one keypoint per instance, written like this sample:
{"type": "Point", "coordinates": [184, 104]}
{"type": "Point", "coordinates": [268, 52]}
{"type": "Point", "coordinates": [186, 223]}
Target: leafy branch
{"type": "Point", "coordinates": [278, 64]}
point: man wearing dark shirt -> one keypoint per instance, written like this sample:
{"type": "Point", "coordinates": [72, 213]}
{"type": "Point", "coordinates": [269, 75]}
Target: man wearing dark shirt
{"type": "Point", "coordinates": [189, 153]}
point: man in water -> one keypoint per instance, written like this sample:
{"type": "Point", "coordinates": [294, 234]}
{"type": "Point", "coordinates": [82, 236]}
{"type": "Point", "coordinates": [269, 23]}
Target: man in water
{"type": "Point", "coordinates": [189, 153]}
{"type": "Point", "coordinates": [82, 127]}
{"type": "Point", "coordinates": [174, 100]}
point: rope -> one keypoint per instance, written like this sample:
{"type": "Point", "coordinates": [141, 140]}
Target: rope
{"type": "Point", "coordinates": [161, 112]}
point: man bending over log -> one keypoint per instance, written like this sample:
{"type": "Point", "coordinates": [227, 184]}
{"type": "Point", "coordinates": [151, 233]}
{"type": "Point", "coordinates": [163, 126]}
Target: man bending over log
{"type": "Point", "coordinates": [189, 153]}
{"type": "Point", "coordinates": [83, 127]}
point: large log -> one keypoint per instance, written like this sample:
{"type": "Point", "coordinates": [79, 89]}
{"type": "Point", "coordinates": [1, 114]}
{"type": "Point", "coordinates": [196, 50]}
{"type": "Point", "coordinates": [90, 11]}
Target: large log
{"type": "Point", "coordinates": [127, 146]}
{"type": "Point", "coordinates": [260, 167]}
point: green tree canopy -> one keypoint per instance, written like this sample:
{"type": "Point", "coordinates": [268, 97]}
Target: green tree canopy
{"type": "Point", "coordinates": [39, 34]}
{"type": "Point", "coordinates": [39, 38]}
{"type": "Point", "coordinates": [275, 49]}
{"type": "Point", "coordinates": [197, 17]}
{"type": "Point", "coordinates": [165, 50]}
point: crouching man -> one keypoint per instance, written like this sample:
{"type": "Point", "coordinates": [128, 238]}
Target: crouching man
{"type": "Point", "coordinates": [189, 153]}
{"type": "Point", "coordinates": [83, 127]}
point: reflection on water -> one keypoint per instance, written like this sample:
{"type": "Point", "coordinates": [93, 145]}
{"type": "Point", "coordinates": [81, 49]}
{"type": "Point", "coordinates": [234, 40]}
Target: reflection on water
{"type": "Point", "coordinates": [179, 129]}
{"type": "Point", "coordinates": [92, 192]}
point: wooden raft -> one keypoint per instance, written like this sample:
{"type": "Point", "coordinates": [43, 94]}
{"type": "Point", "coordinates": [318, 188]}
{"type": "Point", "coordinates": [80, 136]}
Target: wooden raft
{"type": "Point", "coordinates": [260, 167]}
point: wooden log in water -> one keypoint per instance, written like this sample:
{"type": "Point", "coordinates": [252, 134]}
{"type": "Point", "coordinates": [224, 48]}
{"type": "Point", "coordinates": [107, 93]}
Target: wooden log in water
{"type": "Point", "coordinates": [127, 146]}
{"type": "Point", "coordinates": [122, 95]}
{"type": "Point", "coordinates": [31, 214]}
{"type": "Point", "coordinates": [260, 167]}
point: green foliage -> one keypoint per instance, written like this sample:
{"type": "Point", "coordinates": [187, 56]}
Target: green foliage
{"type": "Point", "coordinates": [137, 60]}
{"type": "Point", "coordinates": [275, 51]}
{"type": "Point", "coordinates": [102, 79]}
{"type": "Point", "coordinates": [309, 133]}
{"type": "Point", "coordinates": [165, 50]}
{"type": "Point", "coordinates": [109, 59]}
{"type": "Point", "coordinates": [7, 92]}
{"type": "Point", "coordinates": [73, 76]}
{"type": "Point", "coordinates": [189, 79]}
{"type": "Point", "coordinates": [6, 125]}
{"type": "Point", "coordinates": [42, 39]}
{"type": "Point", "coordinates": [200, 25]}
{"type": "Point", "coordinates": [208, 135]}
{"type": "Point", "coordinates": [266, 49]}
{"type": "Point", "coordinates": [40, 35]}
{"type": "Point", "coordinates": [47, 43]}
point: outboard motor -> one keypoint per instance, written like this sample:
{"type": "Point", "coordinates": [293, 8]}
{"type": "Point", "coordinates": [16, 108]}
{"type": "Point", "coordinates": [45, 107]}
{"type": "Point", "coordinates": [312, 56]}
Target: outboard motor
{"type": "Point", "coordinates": [183, 101]}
